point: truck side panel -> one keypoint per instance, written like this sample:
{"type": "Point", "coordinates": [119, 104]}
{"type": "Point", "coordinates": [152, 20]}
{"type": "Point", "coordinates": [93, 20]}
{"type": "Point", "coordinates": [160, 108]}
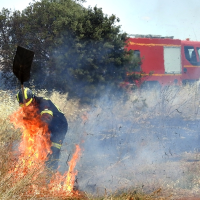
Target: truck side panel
{"type": "Point", "coordinates": [164, 67]}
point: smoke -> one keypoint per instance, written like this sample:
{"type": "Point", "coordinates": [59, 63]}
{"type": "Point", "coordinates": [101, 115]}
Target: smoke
{"type": "Point", "coordinates": [145, 141]}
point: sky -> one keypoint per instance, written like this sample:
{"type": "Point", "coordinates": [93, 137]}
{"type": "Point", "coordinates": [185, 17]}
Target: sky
{"type": "Point", "coordinates": [178, 18]}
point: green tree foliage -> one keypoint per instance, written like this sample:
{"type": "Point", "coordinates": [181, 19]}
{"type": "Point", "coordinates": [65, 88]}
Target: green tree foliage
{"type": "Point", "coordinates": [76, 48]}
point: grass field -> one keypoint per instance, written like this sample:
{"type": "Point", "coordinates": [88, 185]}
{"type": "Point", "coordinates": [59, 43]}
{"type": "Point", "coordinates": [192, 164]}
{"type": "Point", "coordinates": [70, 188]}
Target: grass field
{"type": "Point", "coordinates": [141, 106]}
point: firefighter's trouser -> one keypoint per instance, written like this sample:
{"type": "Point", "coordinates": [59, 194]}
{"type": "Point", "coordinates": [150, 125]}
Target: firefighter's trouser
{"type": "Point", "coordinates": [57, 141]}
{"type": "Point", "coordinates": [53, 158]}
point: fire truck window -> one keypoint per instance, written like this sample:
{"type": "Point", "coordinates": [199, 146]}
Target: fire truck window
{"type": "Point", "coordinates": [198, 50]}
{"type": "Point", "coordinates": [136, 55]}
{"type": "Point", "coordinates": [190, 54]}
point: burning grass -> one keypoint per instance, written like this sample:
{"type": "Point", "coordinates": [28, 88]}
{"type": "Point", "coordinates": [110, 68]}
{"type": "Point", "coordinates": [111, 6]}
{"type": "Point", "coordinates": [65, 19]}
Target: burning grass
{"type": "Point", "coordinates": [37, 182]}
{"type": "Point", "coordinates": [23, 171]}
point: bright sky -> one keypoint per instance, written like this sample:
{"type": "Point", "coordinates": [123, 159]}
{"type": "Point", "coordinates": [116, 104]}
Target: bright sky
{"type": "Point", "coordinates": [178, 18]}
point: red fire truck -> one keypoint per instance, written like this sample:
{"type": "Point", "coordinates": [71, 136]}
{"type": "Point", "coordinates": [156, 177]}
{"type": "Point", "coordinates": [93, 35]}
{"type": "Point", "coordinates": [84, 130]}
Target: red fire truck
{"type": "Point", "coordinates": [166, 60]}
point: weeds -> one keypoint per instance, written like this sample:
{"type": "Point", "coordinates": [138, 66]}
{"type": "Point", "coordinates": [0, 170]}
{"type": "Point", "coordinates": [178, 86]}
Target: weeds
{"type": "Point", "coordinates": [140, 105]}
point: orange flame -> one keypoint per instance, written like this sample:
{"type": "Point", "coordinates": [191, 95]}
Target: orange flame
{"type": "Point", "coordinates": [34, 148]}
{"type": "Point", "coordinates": [35, 144]}
{"type": "Point", "coordinates": [65, 183]}
{"type": "Point", "coordinates": [71, 174]}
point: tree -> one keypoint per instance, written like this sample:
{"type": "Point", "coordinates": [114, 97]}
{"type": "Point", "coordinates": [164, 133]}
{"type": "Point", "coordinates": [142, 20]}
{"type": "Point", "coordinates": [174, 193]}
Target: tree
{"type": "Point", "coordinates": [76, 49]}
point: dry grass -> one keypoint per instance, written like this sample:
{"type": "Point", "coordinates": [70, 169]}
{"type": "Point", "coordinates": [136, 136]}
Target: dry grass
{"type": "Point", "coordinates": [132, 195]}
{"type": "Point", "coordinates": [12, 184]}
{"type": "Point", "coordinates": [171, 101]}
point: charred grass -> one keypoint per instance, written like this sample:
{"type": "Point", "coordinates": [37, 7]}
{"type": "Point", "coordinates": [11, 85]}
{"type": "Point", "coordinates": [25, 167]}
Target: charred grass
{"type": "Point", "coordinates": [170, 102]}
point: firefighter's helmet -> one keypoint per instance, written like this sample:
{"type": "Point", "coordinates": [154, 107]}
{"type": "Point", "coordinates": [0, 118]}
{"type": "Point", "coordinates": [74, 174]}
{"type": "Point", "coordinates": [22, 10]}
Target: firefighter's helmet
{"type": "Point", "coordinates": [28, 96]}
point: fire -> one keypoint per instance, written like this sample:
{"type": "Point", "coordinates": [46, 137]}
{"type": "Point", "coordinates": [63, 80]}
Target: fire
{"type": "Point", "coordinates": [71, 174]}
{"type": "Point", "coordinates": [36, 142]}
{"type": "Point", "coordinates": [64, 184]}
{"type": "Point", "coordinates": [34, 148]}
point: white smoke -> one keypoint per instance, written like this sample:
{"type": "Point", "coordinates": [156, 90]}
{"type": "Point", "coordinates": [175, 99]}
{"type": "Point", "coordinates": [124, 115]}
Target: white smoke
{"type": "Point", "coordinates": [140, 141]}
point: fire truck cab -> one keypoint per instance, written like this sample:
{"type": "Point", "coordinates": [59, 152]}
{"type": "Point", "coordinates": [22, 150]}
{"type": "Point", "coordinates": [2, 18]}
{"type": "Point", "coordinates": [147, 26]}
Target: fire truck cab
{"type": "Point", "coordinates": [166, 60]}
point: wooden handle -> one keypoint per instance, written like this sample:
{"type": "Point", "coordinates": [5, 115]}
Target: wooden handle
{"type": "Point", "coordinates": [22, 86]}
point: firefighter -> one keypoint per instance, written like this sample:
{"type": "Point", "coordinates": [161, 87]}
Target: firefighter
{"type": "Point", "coordinates": [51, 115]}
